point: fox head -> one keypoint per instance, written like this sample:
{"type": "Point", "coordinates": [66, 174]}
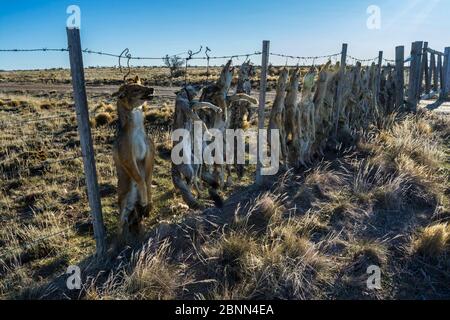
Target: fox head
{"type": "Point", "coordinates": [134, 94]}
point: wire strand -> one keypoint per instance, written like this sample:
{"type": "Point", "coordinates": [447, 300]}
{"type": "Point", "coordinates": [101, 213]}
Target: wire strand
{"type": "Point", "coordinates": [131, 57]}
{"type": "Point", "coordinates": [305, 57]}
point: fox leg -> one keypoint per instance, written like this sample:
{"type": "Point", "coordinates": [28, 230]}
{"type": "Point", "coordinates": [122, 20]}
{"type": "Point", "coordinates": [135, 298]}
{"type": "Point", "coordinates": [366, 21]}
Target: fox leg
{"type": "Point", "coordinates": [178, 175]}
{"type": "Point", "coordinates": [132, 169]}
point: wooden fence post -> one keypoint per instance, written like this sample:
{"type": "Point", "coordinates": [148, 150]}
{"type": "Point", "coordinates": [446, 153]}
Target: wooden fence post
{"type": "Point", "coordinates": [399, 75]}
{"type": "Point", "coordinates": [414, 75]}
{"type": "Point", "coordinates": [425, 71]}
{"type": "Point", "coordinates": [262, 105]}
{"type": "Point", "coordinates": [440, 73]}
{"type": "Point", "coordinates": [340, 87]}
{"type": "Point", "coordinates": [446, 74]}
{"type": "Point", "coordinates": [380, 66]}
{"type": "Point", "coordinates": [84, 130]}
{"type": "Point", "coordinates": [433, 73]}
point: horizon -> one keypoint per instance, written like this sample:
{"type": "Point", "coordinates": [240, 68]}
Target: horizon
{"type": "Point", "coordinates": [297, 28]}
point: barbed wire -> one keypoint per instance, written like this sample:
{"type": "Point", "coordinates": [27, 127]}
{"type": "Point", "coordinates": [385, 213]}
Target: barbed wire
{"type": "Point", "coordinates": [305, 57]}
{"type": "Point", "coordinates": [361, 60]}
{"type": "Point", "coordinates": [48, 131]}
{"type": "Point", "coordinates": [40, 166]}
{"type": "Point", "coordinates": [34, 50]}
{"type": "Point", "coordinates": [101, 53]}
{"type": "Point", "coordinates": [22, 122]}
{"type": "Point", "coordinates": [30, 244]}
{"type": "Point", "coordinates": [206, 57]}
{"type": "Point", "coordinates": [131, 57]}
{"type": "Point", "coordinates": [97, 134]}
{"type": "Point", "coordinates": [247, 55]}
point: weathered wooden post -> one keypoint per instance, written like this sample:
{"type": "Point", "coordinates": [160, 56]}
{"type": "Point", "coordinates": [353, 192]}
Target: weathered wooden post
{"type": "Point", "coordinates": [414, 75]}
{"type": "Point", "coordinates": [425, 71]}
{"type": "Point", "coordinates": [440, 73]}
{"type": "Point", "coordinates": [433, 73]}
{"type": "Point", "coordinates": [262, 105]}
{"type": "Point", "coordinates": [380, 66]}
{"type": "Point", "coordinates": [84, 130]}
{"type": "Point", "coordinates": [399, 75]}
{"type": "Point", "coordinates": [446, 71]}
{"type": "Point", "coordinates": [340, 87]}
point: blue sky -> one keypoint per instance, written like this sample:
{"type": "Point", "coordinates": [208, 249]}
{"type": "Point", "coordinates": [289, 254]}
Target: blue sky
{"type": "Point", "coordinates": [156, 27]}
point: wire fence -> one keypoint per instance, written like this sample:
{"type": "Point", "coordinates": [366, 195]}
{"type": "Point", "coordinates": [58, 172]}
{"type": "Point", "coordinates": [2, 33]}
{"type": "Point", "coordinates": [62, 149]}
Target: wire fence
{"type": "Point", "coordinates": [126, 55]}
{"type": "Point", "coordinates": [194, 55]}
{"type": "Point", "coordinates": [11, 250]}
{"type": "Point", "coordinates": [161, 131]}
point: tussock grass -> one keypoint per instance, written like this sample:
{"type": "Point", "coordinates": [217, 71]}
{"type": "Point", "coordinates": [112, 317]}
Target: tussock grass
{"type": "Point", "coordinates": [433, 241]}
{"type": "Point", "coordinates": [319, 184]}
{"type": "Point", "coordinates": [103, 119]}
{"type": "Point", "coordinates": [227, 256]}
{"type": "Point", "coordinates": [162, 116]}
{"type": "Point", "coordinates": [365, 253]}
{"type": "Point", "coordinates": [374, 186]}
{"type": "Point", "coordinates": [265, 210]}
{"type": "Point", "coordinates": [47, 105]}
{"type": "Point", "coordinates": [284, 265]}
{"type": "Point", "coordinates": [409, 156]}
{"type": "Point", "coordinates": [149, 275]}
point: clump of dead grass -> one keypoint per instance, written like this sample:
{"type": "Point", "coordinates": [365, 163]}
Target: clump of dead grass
{"type": "Point", "coordinates": [159, 116]}
{"type": "Point", "coordinates": [265, 210]}
{"type": "Point", "coordinates": [433, 241]}
{"type": "Point", "coordinates": [103, 119]}
{"type": "Point", "coordinates": [17, 283]}
{"type": "Point", "coordinates": [321, 182]}
{"type": "Point", "coordinates": [287, 266]}
{"type": "Point", "coordinates": [47, 105]}
{"type": "Point", "coordinates": [373, 186]}
{"type": "Point", "coordinates": [228, 254]}
{"type": "Point", "coordinates": [149, 275]}
{"type": "Point", "coordinates": [104, 107]}
{"type": "Point", "coordinates": [408, 156]}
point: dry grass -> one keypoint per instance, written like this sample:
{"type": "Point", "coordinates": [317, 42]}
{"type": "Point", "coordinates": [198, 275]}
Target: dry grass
{"type": "Point", "coordinates": [411, 156]}
{"type": "Point", "coordinates": [310, 236]}
{"type": "Point", "coordinates": [433, 241]}
{"type": "Point", "coordinates": [103, 119]}
{"type": "Point", "coordinates": [265, 210]}
{"type": "Point", "coordinates": [280, 264]}
{"type": "Point", "coordinates": [48, 202]}
{"type": "Point", "coordinates": [149, 275]}
{"type": "Point", "coordinates": [161, 116]}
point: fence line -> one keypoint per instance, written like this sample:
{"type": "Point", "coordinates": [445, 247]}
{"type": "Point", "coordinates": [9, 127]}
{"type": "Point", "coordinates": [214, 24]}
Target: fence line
{"type": "Point", "coordinates": [30, 244]}
{"type": "Point", "coordinates": [61, 116]}
{"type": "Point", "coordinates": [40, 166]}
{"type": "Point", "coordinates": [131, 57]}
{"type": "Point", "coordinates": [362, 60]}
{"type": "Point", "coordinates": [421, 68]}
{"type": "Point", "coordinates": [305, 57]}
